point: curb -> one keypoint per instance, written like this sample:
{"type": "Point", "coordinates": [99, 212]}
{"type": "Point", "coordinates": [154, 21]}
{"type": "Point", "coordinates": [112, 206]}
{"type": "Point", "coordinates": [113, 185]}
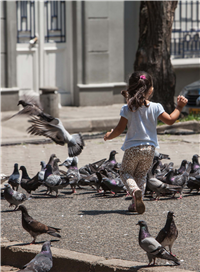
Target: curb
{"type": "Point", "coordinates": [187, 127]}
{"type": "Point", "coordinates": [14, 254]}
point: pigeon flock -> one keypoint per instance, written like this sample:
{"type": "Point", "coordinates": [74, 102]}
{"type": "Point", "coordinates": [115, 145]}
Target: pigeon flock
{"type": "Point", "coordinates": [103, 176]}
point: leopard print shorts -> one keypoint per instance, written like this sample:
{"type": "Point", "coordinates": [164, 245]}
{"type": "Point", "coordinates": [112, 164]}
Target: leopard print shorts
{"type": "Point", "coordinates": [136, 162]}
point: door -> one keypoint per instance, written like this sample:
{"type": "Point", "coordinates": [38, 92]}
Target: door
{"type": "Point", "coordinates": [44, 47]}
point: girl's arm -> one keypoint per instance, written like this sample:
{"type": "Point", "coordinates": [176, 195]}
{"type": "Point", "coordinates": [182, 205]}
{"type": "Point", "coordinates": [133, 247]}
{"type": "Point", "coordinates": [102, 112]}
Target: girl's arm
{"type": "Point", "coordinates": [117, 130]}
{"type": "Point", "coordinates": [170, 119]}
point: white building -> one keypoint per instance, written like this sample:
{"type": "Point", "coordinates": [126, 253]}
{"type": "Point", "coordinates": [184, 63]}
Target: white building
{"type": "Point", "coordinates": [84, 48]}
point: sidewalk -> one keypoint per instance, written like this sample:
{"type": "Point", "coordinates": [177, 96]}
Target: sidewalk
{"type": "Point", "coordinates": [86, 120]}
{"type": "Point", "coordinates": [96, 211]}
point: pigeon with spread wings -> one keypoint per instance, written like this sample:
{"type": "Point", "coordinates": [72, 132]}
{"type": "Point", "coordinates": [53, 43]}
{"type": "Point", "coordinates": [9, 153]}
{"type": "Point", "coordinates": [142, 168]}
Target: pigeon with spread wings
{"type": "Point", "coordinates": [55, 130]}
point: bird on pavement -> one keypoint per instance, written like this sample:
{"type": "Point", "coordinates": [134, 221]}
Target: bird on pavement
{"type": "Point", "coordinates": [181, 180]}
{"type": "Point", "coordinates": [14, 179]}
{"type": "Point", "coordinates": [152, 247]}
{"type": "Point", "coordinates": [13, 197]}
{"type": "Point", "coordinates": [195, 163]}
{"type": "Point", "coordinates": [54, 182]}
{"type": "Point", "coordinates": [193, 183]}
{"type": "Point", "coordinates": [182, 168]}
{"type": "Point", "coordinates": [42, 262]}
{"type": "Point", "coordinates": [158, 187]}
{"type": "Point", "coordinates": [34, 227]}
{"type": "Point", "coordinates": [169, 233]}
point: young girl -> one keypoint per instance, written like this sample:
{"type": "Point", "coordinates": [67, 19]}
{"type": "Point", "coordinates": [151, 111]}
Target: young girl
{"type": "Point", "coordinates": [140, 116]}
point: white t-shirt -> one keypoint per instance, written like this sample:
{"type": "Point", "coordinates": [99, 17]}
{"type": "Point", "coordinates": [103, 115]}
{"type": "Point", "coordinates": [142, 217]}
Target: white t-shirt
{"type": "Point", "coordinates": [141, 125]}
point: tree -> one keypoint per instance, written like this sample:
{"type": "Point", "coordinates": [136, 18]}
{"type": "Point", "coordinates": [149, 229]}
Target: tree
{"type": "Point", "coordinates": [153, 53]}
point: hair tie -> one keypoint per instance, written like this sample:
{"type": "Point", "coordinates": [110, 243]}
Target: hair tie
{"type": "Point", "coordinates": [143, 77]}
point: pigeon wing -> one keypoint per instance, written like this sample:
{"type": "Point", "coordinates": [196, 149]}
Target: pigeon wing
{"type": "Point", "coordinates": [48, 129]}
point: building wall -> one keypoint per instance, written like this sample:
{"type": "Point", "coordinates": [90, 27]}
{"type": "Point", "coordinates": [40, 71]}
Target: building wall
{"type": "Point", "coordinates": [3, 46]}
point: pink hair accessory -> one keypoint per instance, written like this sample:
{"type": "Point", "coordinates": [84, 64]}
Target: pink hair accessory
{"type": "Point", "coordinates": [143, 77]}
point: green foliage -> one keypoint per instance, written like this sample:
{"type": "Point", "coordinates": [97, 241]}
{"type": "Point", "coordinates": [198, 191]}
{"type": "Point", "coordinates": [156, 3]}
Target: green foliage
{"type": "Point", "coordinates": [189, 117]}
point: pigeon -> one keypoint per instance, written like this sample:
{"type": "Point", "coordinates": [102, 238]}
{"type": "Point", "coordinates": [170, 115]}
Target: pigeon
{"type": "Point", "coordinates": [182, 168]}
{"type": "Point", "coordinates": [195, 163]}
{"type": "Point", "coordinates": [14, 179]}
{"type": "Point", "coordinates": [55, 168]}
{"type": "Point", "coordinates": [54, 129]}
{"type": "Point", "coordinates": [34, 227]}
{"type": "Point", "coordinates": [169, 233]}
{"type": "Point", "coordinates": [193, 183]}
{"type": "Point", "coordinates": [42, 262]}
{"type": "Point", "coordinates": [85, 170]}
{"type": "Point", "coordinates": [41, 173]}
{"type": "Point", "coordinates": [54, 182]}
{"type": "Point", "coordinates": [161, 156]}
{"type": "Point", "coordinates": [114, 184]}
{"type": "Point", "coordinates": [51, 159]}
{"type": "Point", "coordinates": [152, 247]}
{"type": "Point", "coordinates": [73, 174]}
{"type": "Point", "coordinates": [13, 197]}
{"type": "Point", "coordinates": [159, 187]}
{"type": "Point", "coordinates": [25, 177]}
{"type": "Point", "coordinates": [181, 180]}
{"type": "Point", "coordinates": [111, 163]}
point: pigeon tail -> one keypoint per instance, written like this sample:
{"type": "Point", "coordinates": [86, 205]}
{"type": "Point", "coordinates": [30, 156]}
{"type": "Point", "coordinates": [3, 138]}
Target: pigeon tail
{"type": "Point", "coordinates": [75, 146]}
{"type": "Point", "coordinates": [50, 232]}
{"type": "Point", "coordinates": [162, 253]}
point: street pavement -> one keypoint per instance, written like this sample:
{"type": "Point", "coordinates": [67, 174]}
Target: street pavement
{"type": "Point", "coordinates": [87, 208]}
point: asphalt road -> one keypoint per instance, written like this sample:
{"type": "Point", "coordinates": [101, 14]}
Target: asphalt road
{"type": "Point", "coordinates": [101, 225]}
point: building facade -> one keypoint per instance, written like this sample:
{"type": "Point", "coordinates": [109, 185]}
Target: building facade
{"type": "Point", "coordinates": [84, 48]}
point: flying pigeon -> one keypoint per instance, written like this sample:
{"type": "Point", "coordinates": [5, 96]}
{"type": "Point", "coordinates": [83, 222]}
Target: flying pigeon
{"type": "Point", "coordinates": [152, 247]}
{"type": "Point", "coordinates": [14, 179]}
{"type": "Point", "coordinates": [42, 262]}
{"type": "Point", "coordinates": [55, 130]}
{"type": "Point", "coordinates": [34, 227]}
{"type": "Point", "coordinates": [14, 197]}
{"type": "Point", "coordinates": [169, 233]}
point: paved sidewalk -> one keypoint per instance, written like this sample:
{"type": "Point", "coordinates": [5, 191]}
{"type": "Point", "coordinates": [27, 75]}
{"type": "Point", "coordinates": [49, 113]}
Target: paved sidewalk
{"type": "Point", "coordinates": [96, 211]}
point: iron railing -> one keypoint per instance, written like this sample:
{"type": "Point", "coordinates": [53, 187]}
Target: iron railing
{"type": "Point", "coordinates": [55, 28]}
{"type": "Point", "coordinates": [54, 21]}
{"type": "Point", "coordinates": [185, 40]}
{"type": "Point", "coordinates": [25, 21]}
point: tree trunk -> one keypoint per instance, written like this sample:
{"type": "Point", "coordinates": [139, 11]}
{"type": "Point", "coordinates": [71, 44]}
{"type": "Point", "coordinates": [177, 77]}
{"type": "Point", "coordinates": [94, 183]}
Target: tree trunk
{"type": "Point", "coordinates": [153, 54]}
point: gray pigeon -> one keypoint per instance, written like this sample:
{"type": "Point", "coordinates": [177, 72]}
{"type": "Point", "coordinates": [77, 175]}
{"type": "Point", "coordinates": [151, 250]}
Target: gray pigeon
{"type": "Point", "coordinates": [14, 179]}
{"type": "Point", "coordinates": [169, 233]}
{"type": "Point", "coordinates": [159, 187]}
{"type": "Point", "coordinates": [181, 180]}
{"type": "Point", "coordinates": [14, 197]}
{"type": "Point", "coordinates": [42, 171]}
{"type": "Point", "coordinates": [55, 130]}
{"type": "Point", "coordinates": [152, 247]}
{"type": "Point", "coordinates": [42, 262]}
{"type": "Point", "coordinates": [53, 181]}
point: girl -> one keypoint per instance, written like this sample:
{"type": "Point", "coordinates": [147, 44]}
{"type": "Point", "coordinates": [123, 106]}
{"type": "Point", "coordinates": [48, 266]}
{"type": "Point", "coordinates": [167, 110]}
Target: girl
{"type": "Point", "coordinates": [140, 116]}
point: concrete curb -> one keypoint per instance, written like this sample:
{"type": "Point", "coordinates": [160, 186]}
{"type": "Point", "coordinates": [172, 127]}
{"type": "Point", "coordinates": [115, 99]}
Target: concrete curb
{"type": "Point", "coordinates": [176, 128]}
{"type": "Point", "coordinates": [14, 254]}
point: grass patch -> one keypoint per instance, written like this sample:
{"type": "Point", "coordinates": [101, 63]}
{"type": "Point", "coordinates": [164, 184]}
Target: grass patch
{"type": "Point", "coordinates": [189, 117]}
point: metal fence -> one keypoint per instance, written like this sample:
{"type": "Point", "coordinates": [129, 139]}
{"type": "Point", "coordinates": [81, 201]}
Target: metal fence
{"type": "Point", "coordinates": [185, 40]}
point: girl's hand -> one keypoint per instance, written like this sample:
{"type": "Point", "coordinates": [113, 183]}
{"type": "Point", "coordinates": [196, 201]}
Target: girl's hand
{"type": "Point", "coordinates": [107, 135]}
{"type": "Point", "coordinates": [181, 101]}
